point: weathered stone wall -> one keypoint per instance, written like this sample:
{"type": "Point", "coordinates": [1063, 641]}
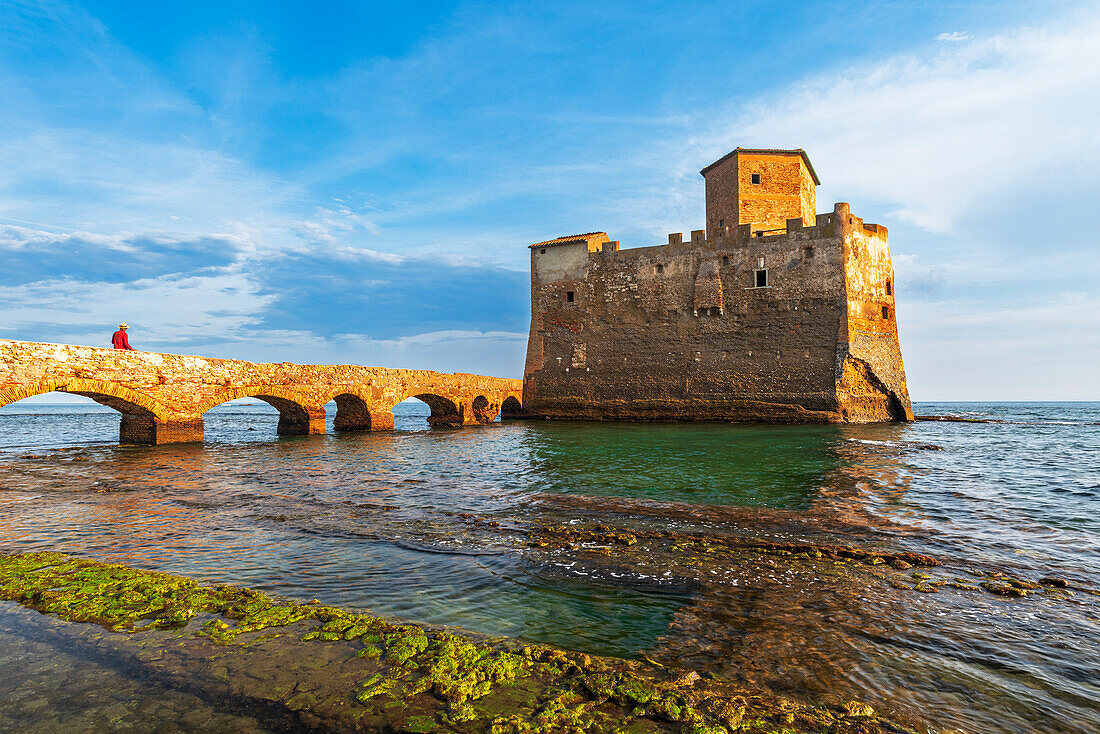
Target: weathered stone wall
{"type": "Point", "coordinates": [162, 397]}
{"type": "Point", "coordinates": [681, 332]}
{"type": "Point", "coordinates": [872, 336]}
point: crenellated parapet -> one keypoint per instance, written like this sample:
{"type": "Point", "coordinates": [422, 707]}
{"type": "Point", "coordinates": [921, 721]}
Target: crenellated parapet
{"type": "Point", "coordinates": [162, 397]}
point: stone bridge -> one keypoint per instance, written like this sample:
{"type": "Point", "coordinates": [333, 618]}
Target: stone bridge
{"type": "Point", "coordinates": [162, 397]}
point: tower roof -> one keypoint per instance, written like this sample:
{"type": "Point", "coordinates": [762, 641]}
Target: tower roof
{"type": "Point", "coordinates": [767, 151]}
{"type": "Point", "coordinates": [587, 237]}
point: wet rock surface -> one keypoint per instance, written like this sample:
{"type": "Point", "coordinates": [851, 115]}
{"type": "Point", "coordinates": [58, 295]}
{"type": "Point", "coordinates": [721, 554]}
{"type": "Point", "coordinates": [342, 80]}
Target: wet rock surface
{"type": "Point", "coordinates": [308, 666]}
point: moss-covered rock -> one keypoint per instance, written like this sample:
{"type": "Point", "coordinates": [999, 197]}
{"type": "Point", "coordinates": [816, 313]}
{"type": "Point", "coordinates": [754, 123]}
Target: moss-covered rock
{"type": "Point", "coordinates": [403, 677]}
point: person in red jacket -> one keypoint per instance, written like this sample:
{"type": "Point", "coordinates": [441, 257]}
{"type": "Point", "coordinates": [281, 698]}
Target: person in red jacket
{"type": "Point", "coordinates": [119, 340]}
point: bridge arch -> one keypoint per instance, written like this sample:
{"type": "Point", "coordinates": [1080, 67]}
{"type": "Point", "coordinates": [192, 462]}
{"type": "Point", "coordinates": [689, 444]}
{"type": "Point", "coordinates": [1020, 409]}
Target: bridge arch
{"type": "Point", "coordinates": [445, 411]}
{"type": "Point", "coordinates": [141, 417]}
{"type": "Point", "coordinates": [112, 394]}
{"type": "Point", "coordinates": [356, 411]}
{"type": "Point", "coordinates": [483, 411]}
{"type": "Point", "coordinates": [511, 408]}
{"type": "Point", "coordinates": [297, 416]}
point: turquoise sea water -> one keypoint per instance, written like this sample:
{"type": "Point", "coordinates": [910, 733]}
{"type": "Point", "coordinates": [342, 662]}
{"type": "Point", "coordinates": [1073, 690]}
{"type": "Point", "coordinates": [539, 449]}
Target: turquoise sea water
{"type": "Point", "coordinates": [371, 521]}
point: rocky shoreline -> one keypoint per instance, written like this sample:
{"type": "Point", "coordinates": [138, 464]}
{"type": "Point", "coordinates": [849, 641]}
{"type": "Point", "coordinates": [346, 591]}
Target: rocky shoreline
{"type": "Point", "coordinates": [310, 666]}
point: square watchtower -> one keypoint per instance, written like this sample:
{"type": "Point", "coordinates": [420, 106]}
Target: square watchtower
{"type": "Point", "coordinates": [761, 187]}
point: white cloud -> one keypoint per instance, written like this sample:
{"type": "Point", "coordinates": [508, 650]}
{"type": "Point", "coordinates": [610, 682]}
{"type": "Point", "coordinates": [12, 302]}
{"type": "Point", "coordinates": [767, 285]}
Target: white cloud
{"type": "Point", "coordinates": [918, 276]}
{"type": "Point", "coordinates": [451, 335]}
{"type": "Point", "coordinates": [954, 37]}
{"type": "Point", "coordinates": [940, 133]}
{"type": "Point", "coordinates": [332, 225]}
{"type": "Point", "coordinates": [14, 237]}
{"type": "Point", "coordinates": [162, 311]}
{"type": "Point", "coordinates": [972, 350]}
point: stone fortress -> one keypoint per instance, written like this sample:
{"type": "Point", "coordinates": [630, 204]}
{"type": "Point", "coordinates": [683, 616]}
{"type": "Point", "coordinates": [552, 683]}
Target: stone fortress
{"type": "Point", "coordinates": [773, 313]}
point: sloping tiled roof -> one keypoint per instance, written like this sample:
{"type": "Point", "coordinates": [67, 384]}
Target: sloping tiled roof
{"type": "Point", "coordinates": [765, 151]}
{"type": "Point", "coordinates": [568, 239]}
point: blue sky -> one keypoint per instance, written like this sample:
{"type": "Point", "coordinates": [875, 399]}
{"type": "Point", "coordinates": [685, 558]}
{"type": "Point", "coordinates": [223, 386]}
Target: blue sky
{"type": "Point", "coordinates": [341, 182]}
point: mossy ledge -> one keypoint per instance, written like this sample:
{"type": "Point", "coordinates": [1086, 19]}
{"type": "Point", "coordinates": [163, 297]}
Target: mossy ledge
{"type": "Point", "coordinates": [390, 676]}
{"type": "Point", "coordinates": [568, 536]}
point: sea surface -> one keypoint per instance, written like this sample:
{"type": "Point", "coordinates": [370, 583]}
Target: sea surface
{"type": "Point", "coordinates": [374, 522]}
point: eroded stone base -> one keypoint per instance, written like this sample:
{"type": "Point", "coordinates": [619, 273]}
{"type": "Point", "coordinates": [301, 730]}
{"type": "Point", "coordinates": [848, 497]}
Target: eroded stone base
{"type": "Point", "coordinates": [864, 398]}
{"type": "Point", "coordinates": [444, 420]}
{"type": "Point", "coordinates": [302, 422]}
{"type": "Point", "coordinates": [741, 411]}
{"type": "Point", "coordinates": [363, 420]}
{"type": "Point", "coordinates": [381, 420]}
{"type": "Point", "coordinates": [145, 430]}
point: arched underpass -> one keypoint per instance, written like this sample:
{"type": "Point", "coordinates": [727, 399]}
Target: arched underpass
{"type": "Point", "coordinates": [138, 413]}
{"type": "Point", "coordinates": [353, 413]}
{"type": "Point", "coordinates": [89, 418]}
{"type": "Point", "coordinates": [511, 408]}
{"type": "Point", "coordinates": [483, 411]}
{"type": "Point", "coordinates": [445, 412]}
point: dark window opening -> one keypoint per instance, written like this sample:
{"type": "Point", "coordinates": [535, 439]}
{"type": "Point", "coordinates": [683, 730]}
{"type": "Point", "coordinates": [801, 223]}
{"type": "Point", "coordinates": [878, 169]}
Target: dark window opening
{"type": "Point", "coordinates": [759, 233]}
{"type": "Point", "coordinates": [542, 251]}
{"type": "Point", "coordinates": [569, 296]}
{"type": "Point", "coordinates": [756, 178]}
{"type": "Point", "coordinates": [660, 269]}
{"type": "Point", "coordinates": [716, 311]}
{"type": "Point", "coordinates": [885, 312]}
{"type": "Point", "coordinates": [808, 253]}
{"type": "Point", "coordinates": [761, 279]}
{"type": "Point", "coordinates": [889, 289]}
{"type": "Point", "coordinates": [721, 222]}
{"type": "Point", "coordinates": [725, 259]}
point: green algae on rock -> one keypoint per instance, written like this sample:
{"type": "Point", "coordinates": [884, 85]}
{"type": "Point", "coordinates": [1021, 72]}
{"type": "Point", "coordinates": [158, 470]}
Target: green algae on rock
{"type": "Point", "coordinates": [403, 677]}
{"type": "Point", "coordinates": [563, 535]}
{"type": "Point", "coordinates": [685, 551]}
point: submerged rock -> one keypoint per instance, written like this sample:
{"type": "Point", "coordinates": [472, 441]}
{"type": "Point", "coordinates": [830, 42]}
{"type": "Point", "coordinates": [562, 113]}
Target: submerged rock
{"type": "Point", "coordinates": [328, 669]}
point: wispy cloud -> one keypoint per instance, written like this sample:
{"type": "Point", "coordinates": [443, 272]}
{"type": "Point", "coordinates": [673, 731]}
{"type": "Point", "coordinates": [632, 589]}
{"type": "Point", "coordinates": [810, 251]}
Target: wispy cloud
{"type": "Point", "coordinates": [166, 312]}
{"type": "Point", "coordinates": [942, 134]}
{"type": "Point", "coordinates": [954, 37]}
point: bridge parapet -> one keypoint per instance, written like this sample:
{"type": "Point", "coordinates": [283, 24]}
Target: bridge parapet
{"type": "Point", "coordinates": [162, 397]}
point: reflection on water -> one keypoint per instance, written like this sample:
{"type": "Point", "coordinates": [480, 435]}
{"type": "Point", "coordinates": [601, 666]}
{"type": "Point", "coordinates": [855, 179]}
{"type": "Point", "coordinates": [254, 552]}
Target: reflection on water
{"type": "Point", "coordinates": [372, 521]}
{"type": "Point", "coordinates": [46, 689]}
{"type": "Point", "coordinates": [771, 466]}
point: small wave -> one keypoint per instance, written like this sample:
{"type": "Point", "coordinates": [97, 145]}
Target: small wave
{"type": "Point", "coordinates": [445, 551]}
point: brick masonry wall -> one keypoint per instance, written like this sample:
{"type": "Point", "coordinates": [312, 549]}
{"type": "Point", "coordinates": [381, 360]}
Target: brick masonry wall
{"type": "Point", "coordinates": [641, 339]}
{"type": "Point", "coordinates": [162, 396]}
{"type": "Point", "coordinates": [721, 196]}
{"type": "Point", "coordinates": [786, 191]}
